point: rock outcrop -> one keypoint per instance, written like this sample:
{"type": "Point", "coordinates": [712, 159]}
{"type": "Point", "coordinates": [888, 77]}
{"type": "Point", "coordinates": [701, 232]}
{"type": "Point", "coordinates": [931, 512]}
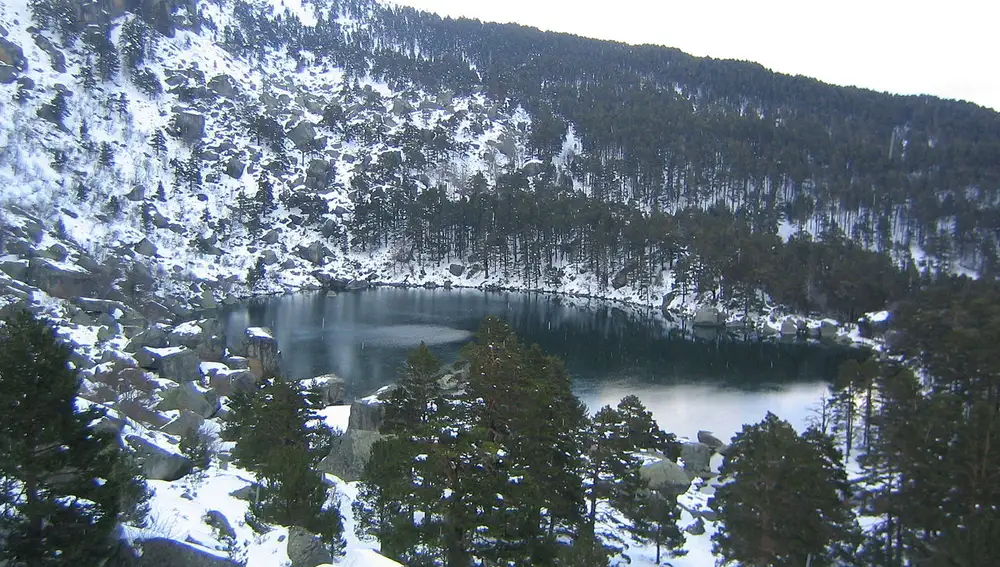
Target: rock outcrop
{"type": "Point", "coordinates": [158, 463]}
{"type": "Point", "coordinates": [306, 549]}
{"type": "Point", "coordinates": [349, 453]}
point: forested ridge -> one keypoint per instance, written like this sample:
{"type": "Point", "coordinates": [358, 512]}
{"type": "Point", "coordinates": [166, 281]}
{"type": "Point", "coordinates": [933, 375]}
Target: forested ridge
{"type": "Point", "coordinates": [685, 164]}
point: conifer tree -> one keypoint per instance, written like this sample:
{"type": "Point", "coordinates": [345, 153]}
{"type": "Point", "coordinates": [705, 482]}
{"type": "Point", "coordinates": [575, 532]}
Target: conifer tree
{"type": "Point", "coordinates": [72, 482]}
{"type": "Point", "coordinates": [276, 440]}
{"type": "Point", "coordinates": [786, 504]}
{"type": "Point", "coordinates": [159, 142]}
{"type": "Point", "coordinates": [107, 156]}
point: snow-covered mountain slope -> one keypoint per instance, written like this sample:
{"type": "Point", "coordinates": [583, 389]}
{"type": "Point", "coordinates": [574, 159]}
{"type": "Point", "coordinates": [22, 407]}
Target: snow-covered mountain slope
{"type": "Point", "coordinates": [230, 123]}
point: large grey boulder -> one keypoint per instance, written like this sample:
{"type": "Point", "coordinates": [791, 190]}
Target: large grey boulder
{"type": "Point", "coordinates": [224, 86]}
{"type": "Point", "coordinates": [456, 269]}
{"type": "Point", "coordinates": [153, 337]}
{"type": "Point", "coordinates": [666, 476]}
{"type": "Point", "coordinates": [204, 336]}
{"type": "Point", "coordinates": [828, 330]}
{"type": "Point", "coordinates": [349, 453]}
{"type": "Point", "coordinates": [116, 309]}
{"type": "Point", "coordinates": [145, 248]}
{"type": "Point", "coordinates": [62, 281]}
{"type": "Point", "coordinates": [190, 397]}
{"type": "Point", "coordinates": [261, 350]}
{"type": "Point", "coordinates": [8, 74]}
{"type": "Point", "coordinates": [303, 135]}
{"type": "Point", "coordinates": [189, 126]}
{"type": "Point", "coordinates": [141, 414]}
{"type": "Point", "coordinates": [306, 549]}
{"type": "Point", "coordinates": [230, 382]}
{"type": "Point", "coordinates": [365, 415]}
{"type": "Point", "coordinates": [789, 328]}
{"type": "Point", "coordinates": [328, 388]}
{"type": "Point", "coordinates": [158, 463]}
{"type": "Point", "coordinates": [179, 364]}
{"type": "Point", "coordinates": [12, 55]}
{"type": "Point", "coordinates": [315, 252]}
{"type": "Point", "coordinates": [186, 424]}
{"type": "Point", "coordinates": [709, 317]}
{"type": "Point", "coordinates": [235, 167]}
{"type": "Point", "coordinates": [711, 440]}
{"type": "Point", "coordinates": [697, 459]}
{"type": "Point", "coordinates": [161, 552]}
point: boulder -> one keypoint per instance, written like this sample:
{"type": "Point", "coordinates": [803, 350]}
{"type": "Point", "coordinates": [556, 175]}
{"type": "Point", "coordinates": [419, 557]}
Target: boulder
{"type": "Point", "coordinates": [306, 549]}
{"type": "Point", "coordinates": [186, 424]}
{"type": "Point", "coordinates": [17, 269]}
{"type": "Point", "coordinates": [235, 167]}
{"type": "Point", "coordinates": [697, 459]}
{"type": "Point", "coordinates": [12, 55]}
{"type": "Point", "coordinates": [162, 552]}
{"type": "Point", "coordinates": [318, 174]}
{"type": "Point", "coordinates": [697, 527]}
{"type": "Point", "coordinates": [828, 330]}
{"type": "Point", "coordinates": [666, 476]}
{"type": "Point", "coordinates": [230, 382]}
{"type": "Point", "coordinates": [456, 269]}
{"type": "Point", "coordinates": [224, 86]}
{"type": "Point", "coordinates": [141, 414]}
{"type": "Point", "coordinates": [136, 380]}
{"type": "Point", "coordinates": [189, 126]}
{"type": "Point", "coordinates": [220, 523]}
{"type": "Point", "coordinates": [179, 363]}
{"type": "Point", "coordinates": [349, 453]}
{"type": "Point", "coordinates": [192, 398]}
{"type": "Point", "coordinates": [315, 252]}
{"type": "Point", "coordinates": [712, 441]}
{"type": "Point", "coordinates": [158, 463]}
{"type": "Point", "coordinates": [204, 336]}
{"type": "Point", "coordinates": [365, 416]}
{"type": "Point", "coordinates": [63, 281]}
{"type": "Point", "coordinates": [329, 389]}
{"type": "Point", "coordinates": [237, 362]}
{"type": "Point", "coordinates": [8, 74]}
{"type": "Point", "coordinates": [270, 258]}
{"type": "Point", "coordinates": [303, 135]}
{"type": "Point", "coordinates": [154, 337]}
{"type": "Point", "coordinates": [261, 350]}
{"type": "Point", "coordinates": [145, 248]}
{"type": "Point", "coordinates": [789, 328]}
{"type": "Point", "coordinates": [709, 317]}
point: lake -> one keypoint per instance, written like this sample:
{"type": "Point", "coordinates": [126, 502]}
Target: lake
{"type": "Point", "coordinates": [689, 382]}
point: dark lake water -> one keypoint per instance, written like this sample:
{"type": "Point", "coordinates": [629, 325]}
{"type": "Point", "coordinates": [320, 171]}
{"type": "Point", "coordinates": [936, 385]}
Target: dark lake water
{"type": "Point", "coordinates": [714, 383]}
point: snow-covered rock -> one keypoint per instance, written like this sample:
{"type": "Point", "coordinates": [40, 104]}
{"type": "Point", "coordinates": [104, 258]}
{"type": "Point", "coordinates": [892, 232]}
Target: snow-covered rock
{"type": "Point", "coordinates": [157, 462]}
{"type": "Point", "coordinates": [188, 396]}
{"type": "Point", "coordinates": [306, 549]}
{"type": "Point", "coordinates": [666, 475]}
{"type": "Point", "coordinates": [349, 453]}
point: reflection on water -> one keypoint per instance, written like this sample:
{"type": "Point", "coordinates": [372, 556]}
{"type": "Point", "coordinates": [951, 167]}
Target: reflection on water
{"type": "Point", "coordinates": [715, 384]}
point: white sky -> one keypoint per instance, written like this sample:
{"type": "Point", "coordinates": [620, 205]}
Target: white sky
{"type": "Point", "coordinates": [948, 48]}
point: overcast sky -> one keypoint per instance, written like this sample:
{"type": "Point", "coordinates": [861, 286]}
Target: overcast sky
{"type": "Point", "coordinates": [948, 48]}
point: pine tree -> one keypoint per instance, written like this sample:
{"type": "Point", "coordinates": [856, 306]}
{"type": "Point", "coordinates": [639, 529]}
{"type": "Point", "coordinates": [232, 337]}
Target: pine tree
{"type": "Point", "coordinates": [73, 485]}
{"type": "Point", "coordinates": [107, 156]}
{"type": "Point", "coordinates": [87, 78]}
{"type": "Point", "coordinates": [132, 43]}
{"type": "Point", "coordinates": [255, 273]}
{"type": "Point", "coordinates": [276, 440]}
{"type": "Point", "coordinates": [161, 192]}
{"type": "Point", "coordinates": [786, 504]}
